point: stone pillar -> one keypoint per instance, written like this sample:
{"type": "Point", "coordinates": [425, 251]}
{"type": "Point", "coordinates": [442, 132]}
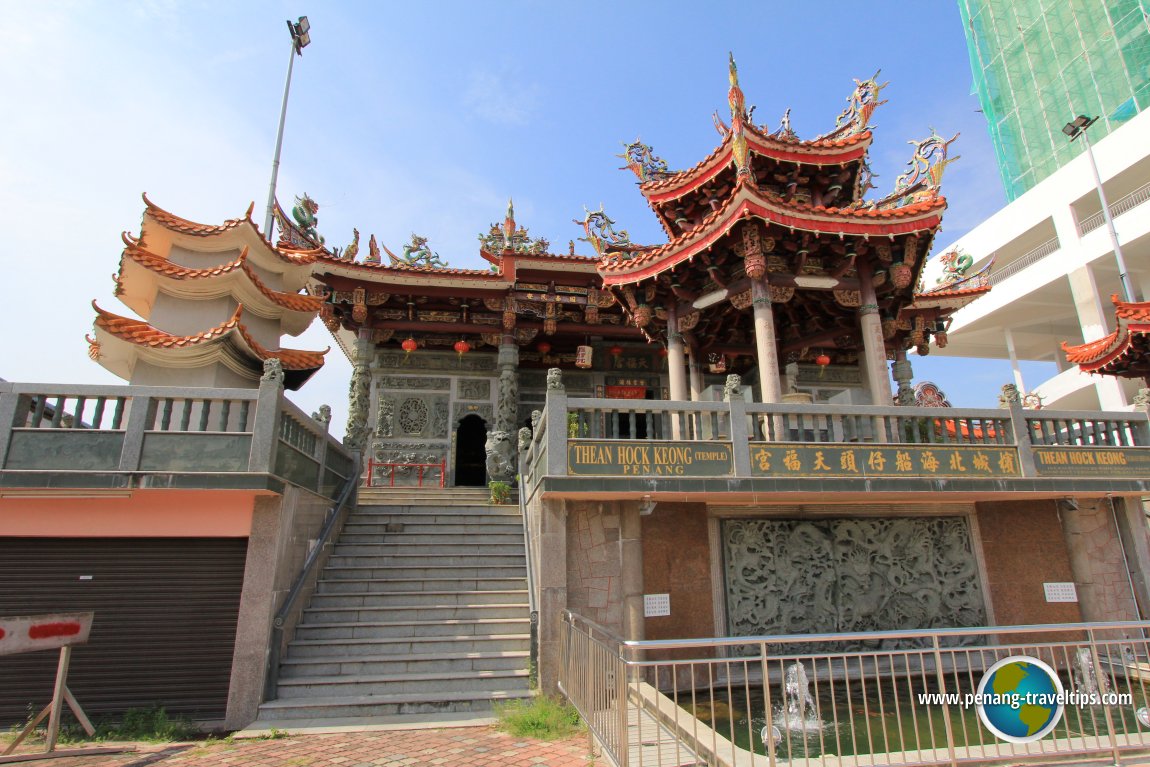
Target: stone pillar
{"type": "Point", "coordinates": [501, 463]}
{"type": "Point", "coordinates": [1093, 318]}
{"type": "Point", "coordinates": [696, 369]}
{"type": "Point", "coordinates": [676, 362]}
{"type": "Point", "coordinates": [904, 374]}
{"type": "Point", "coordinates": [631, 555]}
{"type": "Point", "coordinates": [552, 584]}
{"type": "Point", "coordinates": [359, 394]}
{"type": "Point", "coordinates": [874, 347]}
{"type": "Point", "coordinates": [765, 347]}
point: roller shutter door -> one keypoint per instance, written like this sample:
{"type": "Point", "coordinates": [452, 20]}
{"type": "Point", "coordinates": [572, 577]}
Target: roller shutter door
{"type": "Point", "coordinates": [165, 625]}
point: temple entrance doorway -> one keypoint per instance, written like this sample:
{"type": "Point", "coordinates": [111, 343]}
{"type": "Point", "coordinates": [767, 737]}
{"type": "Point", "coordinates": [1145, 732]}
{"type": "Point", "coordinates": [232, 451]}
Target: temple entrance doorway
{"type": "Point", "coordinates": [470, 457]}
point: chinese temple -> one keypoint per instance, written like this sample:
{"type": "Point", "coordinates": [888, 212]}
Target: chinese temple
{"type": "Point", "coordinates": [1125, 352]}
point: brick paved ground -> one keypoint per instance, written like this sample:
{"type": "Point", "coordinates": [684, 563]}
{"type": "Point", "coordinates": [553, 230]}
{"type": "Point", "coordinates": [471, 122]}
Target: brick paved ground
{"type": "Point", "coordinates": [456, 747]}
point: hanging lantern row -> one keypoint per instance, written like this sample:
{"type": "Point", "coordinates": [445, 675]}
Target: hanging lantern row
{"type": "Point", "coordinates": [822, 360]}
{"type": "Point", "coordinates": [409, 345]}
{"type": "Point", "coordinates": [543, 347]}
{"type": "Point", "coordinates": [615, 351]}
{"type": "Point", "coordinates": [462, 347]}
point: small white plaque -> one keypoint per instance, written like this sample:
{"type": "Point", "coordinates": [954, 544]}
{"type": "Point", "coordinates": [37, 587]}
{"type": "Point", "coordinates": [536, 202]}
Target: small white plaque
{"type": "Point", "coordinates": [1060, 592]}
{"type": "Point", "coordinates": [655, 605]}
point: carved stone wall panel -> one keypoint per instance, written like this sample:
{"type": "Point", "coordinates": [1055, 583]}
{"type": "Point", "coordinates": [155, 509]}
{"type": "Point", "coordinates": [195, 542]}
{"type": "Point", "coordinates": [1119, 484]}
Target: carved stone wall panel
{"type": "Point", "coordinates": [788, 576]}
{"type": "Point", "coordinates": [461, 410]}
{"type": "Point", "coordinates": [422, 360]}
{"type": "Point", "coordinates": [415, 415]}
{"type": "Point", "coordinates": [412, 383]}
{"type": "Point", "coordinates": [473, 388]}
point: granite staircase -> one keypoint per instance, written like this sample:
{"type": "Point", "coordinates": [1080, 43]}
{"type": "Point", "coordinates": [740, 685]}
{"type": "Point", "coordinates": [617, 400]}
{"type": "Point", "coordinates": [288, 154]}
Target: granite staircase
{"type": "Point", "coordinates": [421, 614]}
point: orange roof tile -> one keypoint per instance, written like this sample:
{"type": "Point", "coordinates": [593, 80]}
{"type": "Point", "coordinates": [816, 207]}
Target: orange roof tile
{"type": "Point", "coordinates": [1115, 352]}
{"type": "Point", "coordinates": [142, 334]}
{"type": "Point", "coordinates": [770, 207]}
{"type": "Point", "coordinates": [295, 302]}
{"type": "Point", "coordinates": [184, 226]}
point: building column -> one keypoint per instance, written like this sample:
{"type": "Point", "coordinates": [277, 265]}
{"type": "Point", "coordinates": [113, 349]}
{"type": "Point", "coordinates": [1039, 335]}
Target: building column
{"type": "Point", "coordinates": [676, 369]}
{"type": "Point", "coordinates": [631, 558]}
{"type": "Point", "coordinates": [1014, 361]}
{"type": "Point", "coordinates": [501, 462]}
{"type": "Point", "coordinates": [551, 582]}
{"type": "Point", "coordinates": [765, 348]}
{"type": "Point", "coordinates": [904, 374]}
{"type": "Point", "coordinates": [359, 395]}
{"type": "Point", "coordinates": [874, 347]}
{"type": "Point", "coordinates": [695, 367]}
{"type": "Point", "coordinates": [1093, 317]}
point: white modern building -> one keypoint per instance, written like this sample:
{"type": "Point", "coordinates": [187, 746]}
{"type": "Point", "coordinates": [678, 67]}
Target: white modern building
{"type": "Point", "coordinates": [1055, 270]}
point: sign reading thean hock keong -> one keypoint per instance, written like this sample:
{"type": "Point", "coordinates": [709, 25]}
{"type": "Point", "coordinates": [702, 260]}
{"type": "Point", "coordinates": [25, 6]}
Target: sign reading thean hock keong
{"type": "Point", "coordinates": [619, 458]}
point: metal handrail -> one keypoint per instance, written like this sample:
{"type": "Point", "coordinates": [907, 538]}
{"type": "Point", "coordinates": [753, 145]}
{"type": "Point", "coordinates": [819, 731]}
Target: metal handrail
{"type": "Point", "coordinates": [1117, 208]}
{"type": "Point", "coordinates": [271, 679]}
{"type": "Point", "coordinates": [1029, 258]}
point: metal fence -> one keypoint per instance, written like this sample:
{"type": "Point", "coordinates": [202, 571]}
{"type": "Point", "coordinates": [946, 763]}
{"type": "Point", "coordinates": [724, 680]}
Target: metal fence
{"type": "Point", "coordinates": [878, 698]}
{"type": "Point", "coordinates": [1117, 208]}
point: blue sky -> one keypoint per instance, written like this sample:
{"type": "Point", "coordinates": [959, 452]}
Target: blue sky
{"type": "Point", "coordinates": [425, 117]}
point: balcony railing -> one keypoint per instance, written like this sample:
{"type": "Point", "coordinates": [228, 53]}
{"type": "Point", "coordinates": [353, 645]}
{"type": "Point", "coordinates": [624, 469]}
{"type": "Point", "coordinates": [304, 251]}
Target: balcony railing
{"type": "Point", "coordinates": [1117, 208]}
{"type": "Point", "coordinates": [1032, 256]}
{"type": "Point", "coordinates": [80, 436]}
{"type": "Point", "coordinates": [645, 439]}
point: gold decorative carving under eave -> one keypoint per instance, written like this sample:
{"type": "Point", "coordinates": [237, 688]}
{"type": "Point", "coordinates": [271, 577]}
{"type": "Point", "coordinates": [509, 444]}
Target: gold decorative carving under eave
{"type": "Point", "coordinates": [741, 300]}
{"type": "Point", "coordinates": [492, 339]}
{"type": "Point", "coordinates": [525, 335]}
{"type": "Point", "coordinates": [848, 298]}
{"type": "Point", "coordinates": [381, 336]}
{"type": "Point", "coordinates": [376, 298]}
{"type": "Point", "coordinates": [484, 319]}
{"type": "Point", "coordinates": [781, 294]}
{"type": "Point", "coordinates": [493, 304]}
{"type": "Point", "coordinates": [845, 341]}
{"type": "Point", "coordinates": [777, 264]}
{"type": "Point", "coordinates": [605, 299]}
{"type": "Point", "coordinates": [689, 321]}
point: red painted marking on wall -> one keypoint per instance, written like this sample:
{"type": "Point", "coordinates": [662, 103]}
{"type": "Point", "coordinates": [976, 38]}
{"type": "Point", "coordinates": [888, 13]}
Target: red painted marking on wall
{"type": "Point", "coordinates": [48, 630]}
{"type": "Point", "coordinates": [2, 632]}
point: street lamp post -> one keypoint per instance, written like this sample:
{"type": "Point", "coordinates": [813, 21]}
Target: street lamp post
{"type": "Point", "coordinates": [1078, 128]}
{"type": "Point", "coordinates": [300, 37]}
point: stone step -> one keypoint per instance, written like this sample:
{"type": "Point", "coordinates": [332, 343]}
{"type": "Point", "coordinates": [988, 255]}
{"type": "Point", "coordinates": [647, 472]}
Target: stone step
{"type": "Point", "coordinates": [339, 563]}
{"type": "Point", "coordinates": [411, 646]}
{"type": "Point", "coordinates": [435, 523]}
{"type": "Point", "coordinates": [438, 538]}
{"type": "Point", "coordinates": [412, 628]}
{"type": "Point", "coordinates": [322, 616]}
{"type": "Point", "coordinates": [450, 579]}
{"type": "Point", "coordinates": [464, 508]}
{"type": "Point", "coordinates": [337, 665]}
{"type": "Point", "coordinates": [401, 684]}
{"type": "Point", "coordinates": [385, 705]}
{"type": "Point", "coordinates": [411, 597]}
{"type": "Point", "coordinates": [400, 545]}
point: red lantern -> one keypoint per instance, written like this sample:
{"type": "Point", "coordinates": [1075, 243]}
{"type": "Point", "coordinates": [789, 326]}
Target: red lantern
{"type": "Point", "coordinates": [543, 347]}
{"type": "Point", "coordinates": [663, 351]}
{"type": "Point", "coordinates": [409, 345]}
{"type": "Point", "coordinates": [615, 351]}
{"type": "Point", "coordinates": [822, 360]}
{"type": "Point", "coordinates": [462, 347]}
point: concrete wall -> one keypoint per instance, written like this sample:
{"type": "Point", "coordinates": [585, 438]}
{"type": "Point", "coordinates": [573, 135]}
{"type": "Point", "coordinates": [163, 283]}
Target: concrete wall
{"type": "Point", "coordinates": [283, 529]}
{"type": "Point", "coordinates": [1096, 558]}
{"type": "Point", "coordinates": [1024, 547]}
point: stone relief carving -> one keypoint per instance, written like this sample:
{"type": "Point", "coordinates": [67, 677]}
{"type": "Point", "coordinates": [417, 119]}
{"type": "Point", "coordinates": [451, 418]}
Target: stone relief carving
{"type": "Point", "coordinates": [838, 575]}
{"type": "Point", "coordinates": [413, 416]}
{"type": "Point", "coordinates": [462, 409]}
{"type": "Point", "coordinates": [508, 400]}
{"type": "Point", "coordinates": [358, 401]}
{"type": "Point", "coordinates": [474, 388]}
{"type": "Point", "coordinates": [384, 413]}
{"type": "Point", "coordinates": [555, 380]}
{"type": "Point", "coordinates": [403, 383]}
{"type": "Point", "coordinates": [446, 361]}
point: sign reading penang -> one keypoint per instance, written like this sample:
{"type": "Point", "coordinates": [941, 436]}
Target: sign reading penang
{"type": "Point", "coordinates": [773, 459]}
{"type": "Point", "coordinates": [648, 459]}
{"type": "Point", "coordinates": [1091, 462]}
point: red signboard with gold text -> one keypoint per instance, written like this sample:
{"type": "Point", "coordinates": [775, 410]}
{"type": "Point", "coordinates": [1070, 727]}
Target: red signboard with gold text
{"type": "Point", "coordinates": [626, 392]}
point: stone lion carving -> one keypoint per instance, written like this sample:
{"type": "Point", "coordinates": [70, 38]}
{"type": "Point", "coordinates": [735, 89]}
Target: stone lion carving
{"type": "Point", "coordinates": [524, 439]}
{"type": "Point", "coordinates": [733, 388]}
{"type": "Point", "coordinates": [536, 417]}
{"type": "Point", "coordinates": [500, 456]}
{"type": "Point", "coordinates": [555, 380]}
{"type": "Point", "coordinates": [323, 415]}
{"type": "Point", "coordinates": [1009, 396]}
{"type": "Point", "coordinates": [273, 370]}
{"type": "Point", "coordinates": [1141, 400]}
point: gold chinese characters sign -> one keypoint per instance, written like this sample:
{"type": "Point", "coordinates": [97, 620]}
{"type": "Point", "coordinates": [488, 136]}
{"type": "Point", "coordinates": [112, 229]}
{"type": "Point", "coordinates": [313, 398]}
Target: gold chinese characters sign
{"type": "Point", "coordinates": [618, 458]}
{"type": "Point", "coordinates": [1114, 462]}
{"type": "Point", "coordinates": [773, 459]}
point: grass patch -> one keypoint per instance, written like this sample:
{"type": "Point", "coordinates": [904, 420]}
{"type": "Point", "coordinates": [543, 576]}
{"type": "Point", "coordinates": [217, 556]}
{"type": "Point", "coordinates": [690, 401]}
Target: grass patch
{"type": "Point", "coordinates": [541, 717]}
{"type": "Point", "coordinates": [149, 725]}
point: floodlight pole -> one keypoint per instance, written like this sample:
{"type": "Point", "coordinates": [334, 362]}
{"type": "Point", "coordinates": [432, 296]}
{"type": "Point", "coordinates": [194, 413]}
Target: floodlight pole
{"type": "Point", "coordinates": [299, 39]}
{"type": "Point", "coordinates": [1078, 128]}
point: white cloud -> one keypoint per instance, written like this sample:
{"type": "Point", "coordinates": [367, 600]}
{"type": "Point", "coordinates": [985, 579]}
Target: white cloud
{"type": "Point", "coordinates": [500, 97]}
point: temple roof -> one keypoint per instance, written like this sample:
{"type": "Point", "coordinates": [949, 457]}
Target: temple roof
{"type": "Point", "coordinates": [235, 277]}
{"type": "Point", "coordinates": [956, 294]}
{"type": "Point", "coordinates": [1125, 352]}
{"type": "Point", "coordinates": [748, 200]}
{"type": "Point", "coordinates": [229, 339]}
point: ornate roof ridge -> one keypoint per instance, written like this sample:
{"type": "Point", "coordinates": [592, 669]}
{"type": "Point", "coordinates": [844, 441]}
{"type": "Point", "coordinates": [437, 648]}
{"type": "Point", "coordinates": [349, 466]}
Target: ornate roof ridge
{"type": "Point", "coordinates": [182, 225]}
{"type": "Point", "coordinates": [295, 302]}
{"type": "Point", "coordinates": [144, 334]}
{"type": "Point", "coordinates": [1093, 356]}
{"type": "Point", "coordinates": [407, 268]}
